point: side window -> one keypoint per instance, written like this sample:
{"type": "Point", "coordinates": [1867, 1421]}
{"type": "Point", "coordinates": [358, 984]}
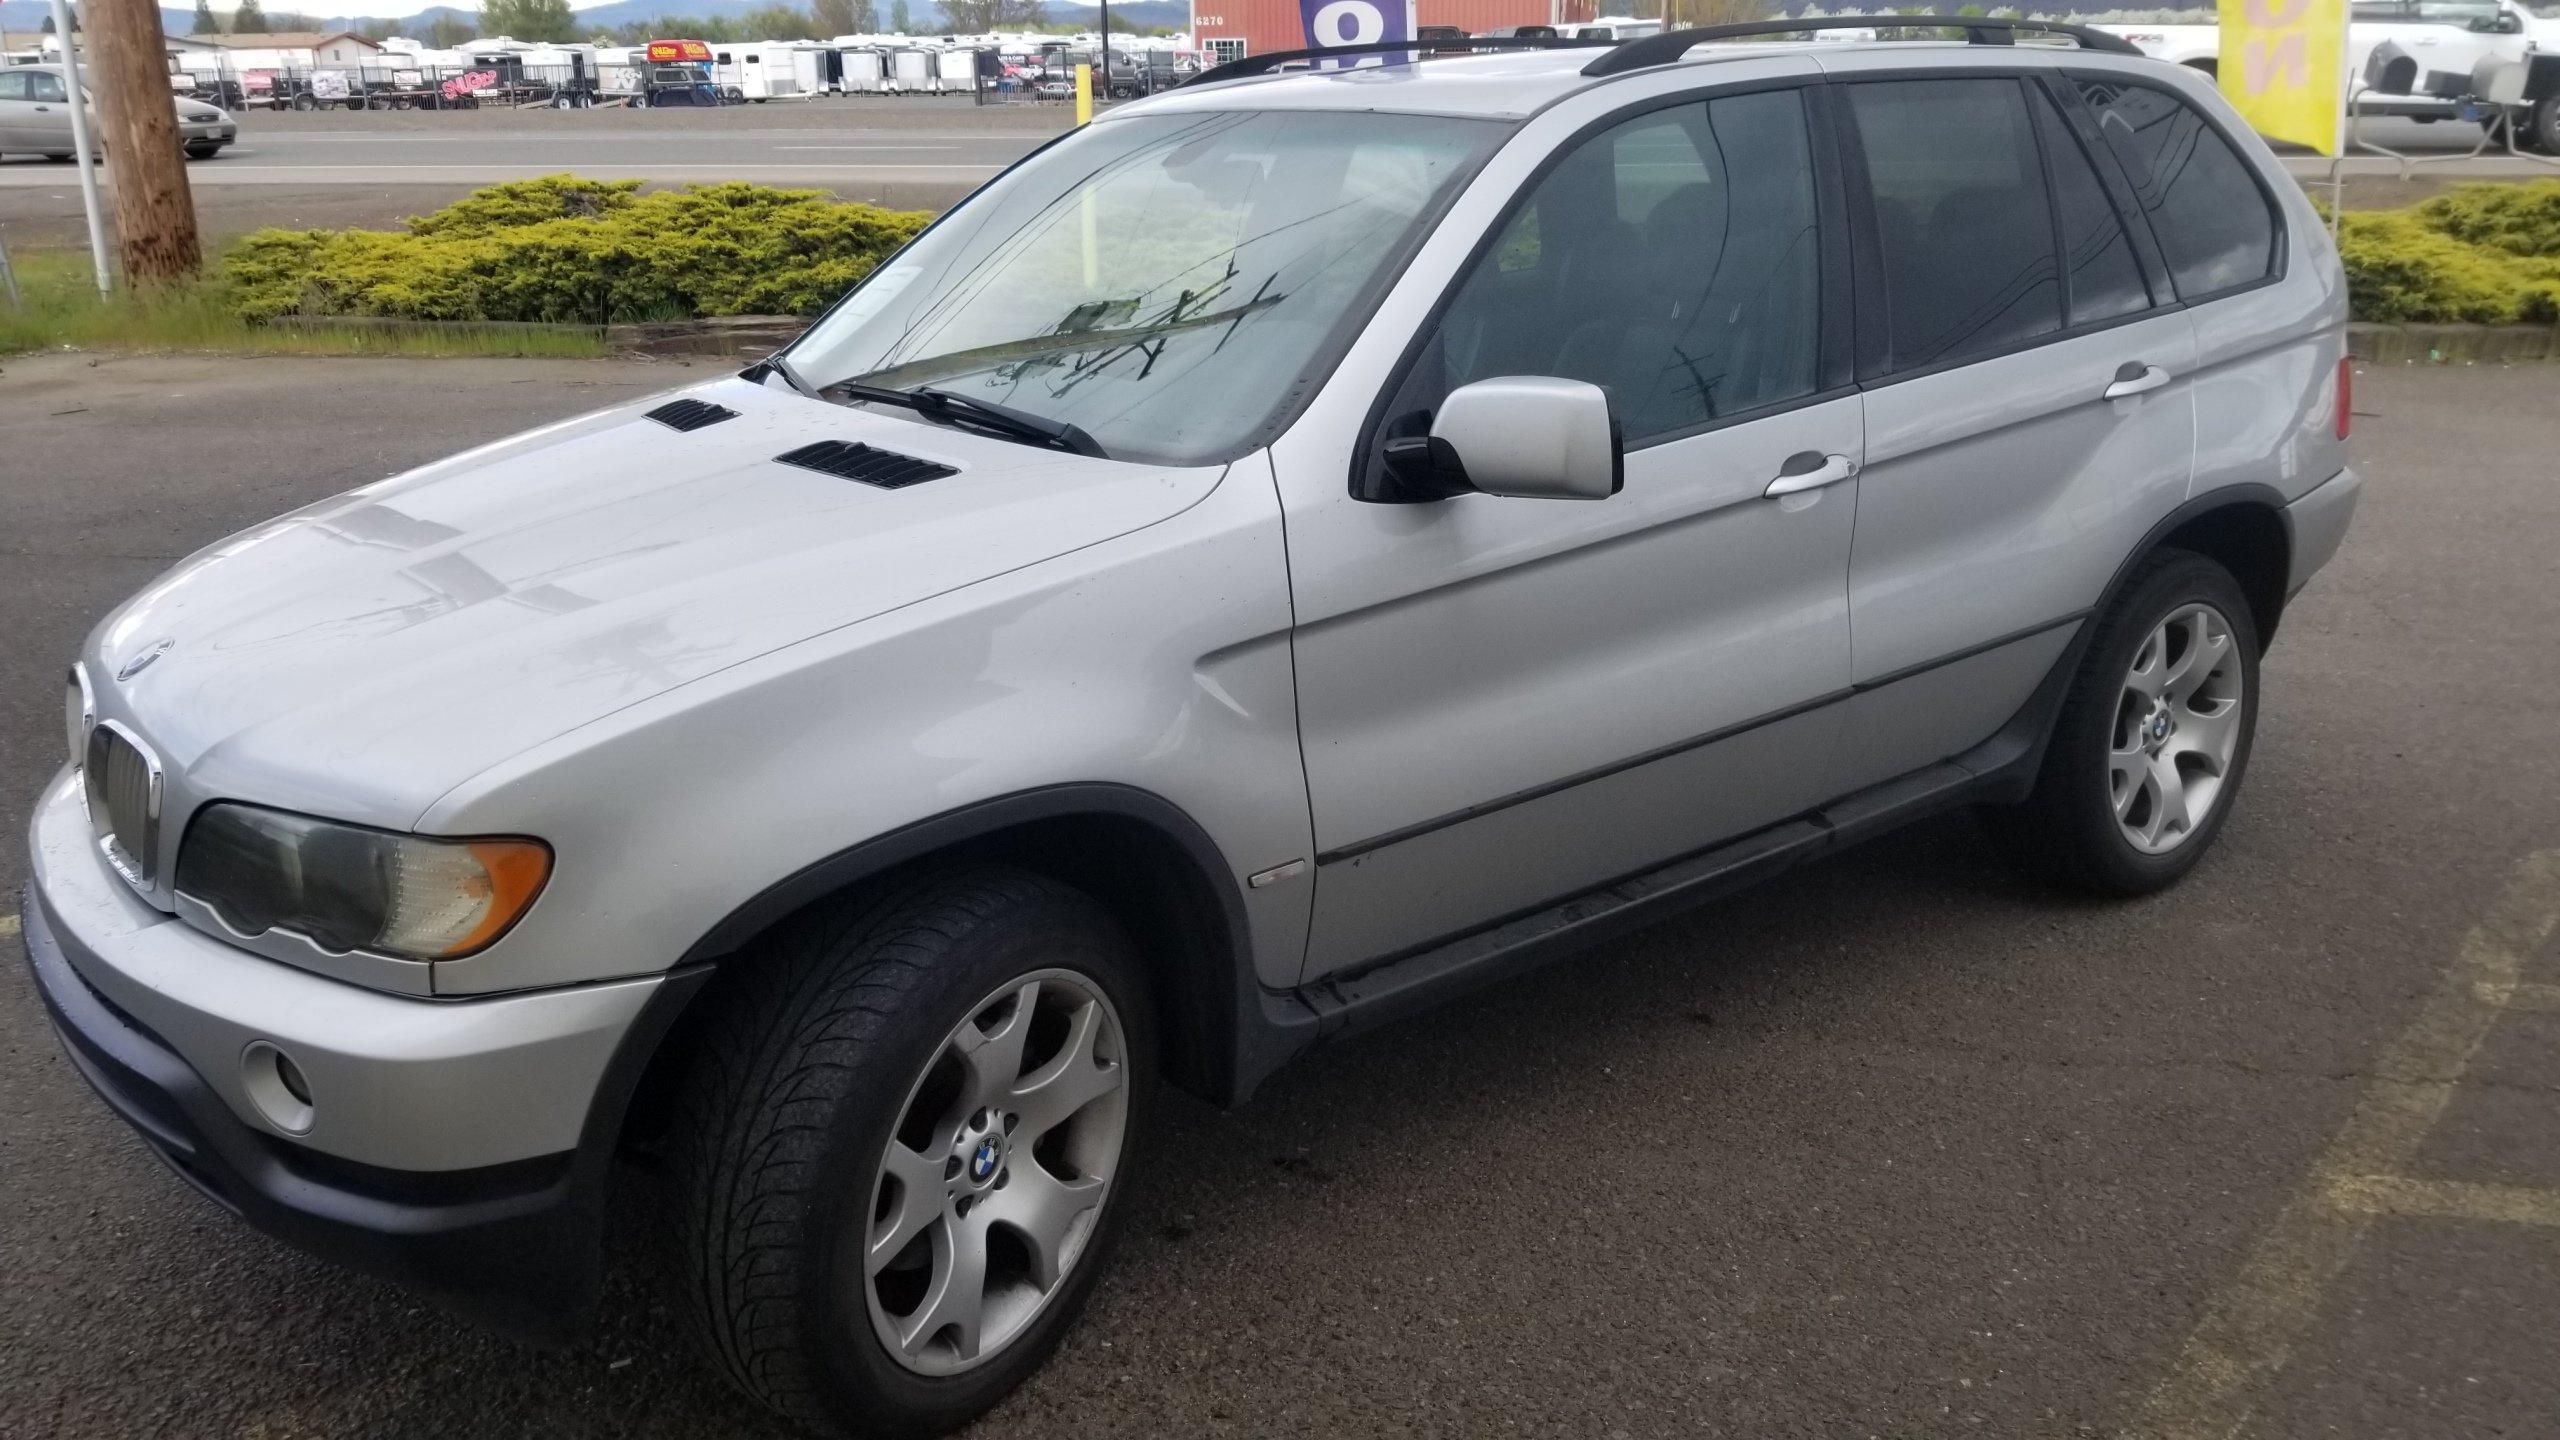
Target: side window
{"type": "Point", "coordinates": [1963, 221]}
{"type": "Point", "coordinates": [13, 84]}
{"type": "Point", "coordinates": [44, 87]}
{"type": "Point", "coordinates": [1672, 261]}
{"type": "Point", "coordinates": [2101, 278]}
{"type": "Point", "coordinates": [2216, 228]}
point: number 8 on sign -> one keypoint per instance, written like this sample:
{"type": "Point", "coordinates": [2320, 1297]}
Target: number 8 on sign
{"type": "Point", "coordinates": [1329, 23]}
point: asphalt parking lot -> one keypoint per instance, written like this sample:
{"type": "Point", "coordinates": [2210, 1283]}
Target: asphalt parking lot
{"type": "Point", "coordinates": [1897, 1146]}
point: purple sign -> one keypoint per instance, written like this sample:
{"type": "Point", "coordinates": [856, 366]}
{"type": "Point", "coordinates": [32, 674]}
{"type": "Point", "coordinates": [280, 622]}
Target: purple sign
{"type": "Point", "coordinates": [1356, 22]}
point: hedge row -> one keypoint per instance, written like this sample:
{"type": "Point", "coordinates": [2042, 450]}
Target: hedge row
{"type": "Point", "coordinates": [564, 249]}
{"type": "Point", "coordinates": [2485, 253]}
{"type": "Point", "coordinates": [595, 251]}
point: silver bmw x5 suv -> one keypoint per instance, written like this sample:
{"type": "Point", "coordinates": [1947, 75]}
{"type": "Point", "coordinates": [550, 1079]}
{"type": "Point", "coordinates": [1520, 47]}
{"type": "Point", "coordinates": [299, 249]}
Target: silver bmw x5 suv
{"type": "Point", "coordinates": [1299, 547]}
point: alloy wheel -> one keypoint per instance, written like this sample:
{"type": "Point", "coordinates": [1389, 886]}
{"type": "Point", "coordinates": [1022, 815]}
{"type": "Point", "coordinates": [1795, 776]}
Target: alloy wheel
{"type": "Point", "coordinates": [996, 1175]}
{"type": "Point", "coordinates": [2177, 727]}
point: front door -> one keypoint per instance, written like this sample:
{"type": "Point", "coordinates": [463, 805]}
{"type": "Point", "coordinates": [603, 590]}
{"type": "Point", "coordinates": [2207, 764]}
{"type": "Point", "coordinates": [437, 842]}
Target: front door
{"type": "Point", "coordinates": [1507, 701]}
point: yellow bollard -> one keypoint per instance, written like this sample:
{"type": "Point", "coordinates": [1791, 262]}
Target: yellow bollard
{"type": "Point", "coordinates": [1084, 94]}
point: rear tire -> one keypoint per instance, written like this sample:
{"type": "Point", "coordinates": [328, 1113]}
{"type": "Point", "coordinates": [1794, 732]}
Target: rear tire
{"type": "Point", "coordinates": [2148, 754]}
{"type": "Point", "coordinates": [2542, 127]}
{"type": "Point", "coordinates": [826, 1191]}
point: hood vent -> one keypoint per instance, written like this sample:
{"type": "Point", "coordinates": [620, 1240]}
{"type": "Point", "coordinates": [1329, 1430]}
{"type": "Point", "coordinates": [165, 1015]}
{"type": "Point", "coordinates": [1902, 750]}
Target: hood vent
{"type": "Point", "coordinates": [850, 460]}
{"type": "Point", "coordinates": [690, 414]}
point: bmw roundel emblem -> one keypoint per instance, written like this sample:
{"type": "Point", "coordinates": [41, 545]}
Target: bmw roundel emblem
{"type": "Point", "coordinates": [983, 1160]}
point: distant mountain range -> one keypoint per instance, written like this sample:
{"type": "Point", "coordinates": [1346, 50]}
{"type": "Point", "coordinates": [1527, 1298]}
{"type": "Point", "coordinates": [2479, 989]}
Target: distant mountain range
{"type": "Point", "coordinates": [28, 16]}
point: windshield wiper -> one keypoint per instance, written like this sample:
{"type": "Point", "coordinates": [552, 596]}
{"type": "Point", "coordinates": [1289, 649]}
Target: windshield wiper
{"type": "Point", "coordinates": [950, 409]}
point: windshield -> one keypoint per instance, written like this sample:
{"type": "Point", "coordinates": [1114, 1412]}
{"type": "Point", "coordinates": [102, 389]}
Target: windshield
{"type": "Point", "coordinates": [1169, 283]}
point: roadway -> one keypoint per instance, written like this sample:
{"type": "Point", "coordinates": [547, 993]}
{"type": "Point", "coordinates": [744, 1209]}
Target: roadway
{"type": "Point", "coordinates": [835, 144]}
{"type": "Point", "coordinates": [374, 168]}
{"type": "Point", "coordinates": [1897, 1145]}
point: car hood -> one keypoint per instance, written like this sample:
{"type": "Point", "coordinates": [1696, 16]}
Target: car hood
{"type": "Point", "coordinates": [363, 656]}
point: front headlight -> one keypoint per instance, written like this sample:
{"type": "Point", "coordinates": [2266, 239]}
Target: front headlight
{"type": "Point", "coordinates": [345, 887]}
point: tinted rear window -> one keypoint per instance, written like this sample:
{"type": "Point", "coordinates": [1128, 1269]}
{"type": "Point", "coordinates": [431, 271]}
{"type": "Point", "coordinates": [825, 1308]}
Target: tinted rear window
{"type": "Point", "coordinates": [2216, 228]}
{"type": "Point", "coordinates": [1961, 215]}
{"type": "Point", "coordinates": [2104, 279]}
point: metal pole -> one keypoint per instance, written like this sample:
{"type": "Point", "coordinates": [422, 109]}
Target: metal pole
{"type": "Point", "coordinates": [1106, 49]}
{"type": "Point", "coordinates": [81, 153]}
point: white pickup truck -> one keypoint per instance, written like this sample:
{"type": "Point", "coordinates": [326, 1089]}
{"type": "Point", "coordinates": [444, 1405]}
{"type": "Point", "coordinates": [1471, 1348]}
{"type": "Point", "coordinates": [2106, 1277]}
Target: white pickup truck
{"type": "Point", "coordinates": [2425, 71]}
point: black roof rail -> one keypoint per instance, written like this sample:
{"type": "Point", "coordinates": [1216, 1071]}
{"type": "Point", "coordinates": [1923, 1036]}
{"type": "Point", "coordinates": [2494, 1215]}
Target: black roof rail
{"type": "Point", "coordinates": [1669, 46]}
{"type": "Point", "coordinates": [1265, 64]}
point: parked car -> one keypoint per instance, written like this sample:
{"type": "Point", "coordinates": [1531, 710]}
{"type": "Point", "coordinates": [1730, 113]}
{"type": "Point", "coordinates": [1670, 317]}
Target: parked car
{"type": "Point", "coordinates": [35, 117]}
{"type": "Point", "coordinates": [1291, 551]}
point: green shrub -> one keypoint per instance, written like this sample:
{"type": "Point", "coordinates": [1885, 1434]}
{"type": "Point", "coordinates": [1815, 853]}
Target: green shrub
{"type": "Point", "coordinates": [2487, 253]}
{"type": "Point", "coordinates": [565, 249]}
{"type": "Point", "coordinates": [2521, 219]}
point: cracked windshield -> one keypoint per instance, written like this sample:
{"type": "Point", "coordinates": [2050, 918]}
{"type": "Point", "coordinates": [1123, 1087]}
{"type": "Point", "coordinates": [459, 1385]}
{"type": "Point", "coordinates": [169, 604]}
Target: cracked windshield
{"type": "Point", "coordinates": [1166, 282]}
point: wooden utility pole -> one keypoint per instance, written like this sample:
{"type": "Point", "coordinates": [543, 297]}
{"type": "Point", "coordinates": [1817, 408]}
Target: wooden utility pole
{"type": "Point", "coordinates": [155, 212]}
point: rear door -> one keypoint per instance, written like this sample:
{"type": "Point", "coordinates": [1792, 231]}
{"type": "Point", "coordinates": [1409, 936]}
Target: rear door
{"type": "Point", "coordinates": [2268, 339]}
{"type": "Point", "coordinates": [1506, 701]}
{"type": "Point", "coordinates": [13, 107]}
{"type": "Point", "coordinates": [2029, 407]}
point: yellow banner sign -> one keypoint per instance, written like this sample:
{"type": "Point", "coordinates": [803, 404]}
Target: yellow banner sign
{"type": "Point", "coordinates": [2284, 65]}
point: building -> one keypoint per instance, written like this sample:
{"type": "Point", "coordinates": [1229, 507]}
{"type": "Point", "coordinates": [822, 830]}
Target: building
{"type": "Point", "coordinates": [304, 49]}
{"type": "Point", "coordinates": [1233, 29]}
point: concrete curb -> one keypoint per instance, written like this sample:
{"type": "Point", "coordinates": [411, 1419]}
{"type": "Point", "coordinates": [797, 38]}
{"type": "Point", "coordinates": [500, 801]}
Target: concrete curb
{"type": "Point", "coordinates": [2452, 344]}
{"type": "Point", "coordinates": [732, 337]}
{"type": "Point", "coordinates": [740, 337]}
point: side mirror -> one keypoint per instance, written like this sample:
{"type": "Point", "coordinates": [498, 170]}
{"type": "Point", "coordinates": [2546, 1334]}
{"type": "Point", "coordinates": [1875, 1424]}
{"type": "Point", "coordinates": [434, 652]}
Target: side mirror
{"type": "Point", "coordinates": [1532, 436]}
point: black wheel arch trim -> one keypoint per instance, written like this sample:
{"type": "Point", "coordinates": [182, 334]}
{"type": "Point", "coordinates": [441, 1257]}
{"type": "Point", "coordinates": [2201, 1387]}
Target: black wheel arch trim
{"type": "Point", "coordinates": [1210, 1005]}
{"type": "Point", "coordinates": [2241, 495]}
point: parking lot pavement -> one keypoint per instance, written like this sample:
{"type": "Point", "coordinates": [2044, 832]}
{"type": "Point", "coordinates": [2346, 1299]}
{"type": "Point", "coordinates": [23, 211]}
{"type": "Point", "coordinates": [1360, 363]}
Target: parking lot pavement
{"type": "Point", "coordinates": [1896, 1146]}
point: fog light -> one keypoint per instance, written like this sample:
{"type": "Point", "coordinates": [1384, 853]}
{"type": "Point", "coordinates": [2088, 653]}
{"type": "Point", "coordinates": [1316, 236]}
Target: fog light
{"type": "Point", "coordinates": [277, 1087]}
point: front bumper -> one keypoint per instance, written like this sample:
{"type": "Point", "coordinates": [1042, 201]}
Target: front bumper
{"type": "Point", "coordinates": [207, 132]}
{"type": "Point", "coordinates": [156, 1016]}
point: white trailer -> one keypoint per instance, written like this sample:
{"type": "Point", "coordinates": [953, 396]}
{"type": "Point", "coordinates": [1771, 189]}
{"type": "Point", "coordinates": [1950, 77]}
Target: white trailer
{"type": "Point", "coordinates": [912, 72]}
{"type": "Point", "coordinates": [761, 70]}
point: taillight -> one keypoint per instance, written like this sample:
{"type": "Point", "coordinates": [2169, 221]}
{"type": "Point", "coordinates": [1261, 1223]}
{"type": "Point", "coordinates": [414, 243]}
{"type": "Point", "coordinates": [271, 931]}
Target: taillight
{"type": "Point", "coordinates": [2346, 396]}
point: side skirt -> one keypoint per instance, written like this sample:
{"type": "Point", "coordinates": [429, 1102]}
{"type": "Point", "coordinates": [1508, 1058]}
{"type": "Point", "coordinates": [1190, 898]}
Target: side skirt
{"type": "Point", "coordinates": [2000, 770]}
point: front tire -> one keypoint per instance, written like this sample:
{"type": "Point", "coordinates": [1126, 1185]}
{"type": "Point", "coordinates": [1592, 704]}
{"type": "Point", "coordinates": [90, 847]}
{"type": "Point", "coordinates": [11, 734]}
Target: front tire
{"type": "Point", "coordinates": [900, 1152]}
{"type": "Point", "coordinates": [2153, 740]}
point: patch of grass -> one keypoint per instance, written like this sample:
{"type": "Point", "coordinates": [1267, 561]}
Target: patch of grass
{"type": "Point", "coordinates": [59, 306]}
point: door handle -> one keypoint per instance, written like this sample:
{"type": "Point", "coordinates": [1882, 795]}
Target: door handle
{"type": "Point", "coordinates": [1811, 470]}
{"type": "Point", "coordinates": [2135, 378]}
